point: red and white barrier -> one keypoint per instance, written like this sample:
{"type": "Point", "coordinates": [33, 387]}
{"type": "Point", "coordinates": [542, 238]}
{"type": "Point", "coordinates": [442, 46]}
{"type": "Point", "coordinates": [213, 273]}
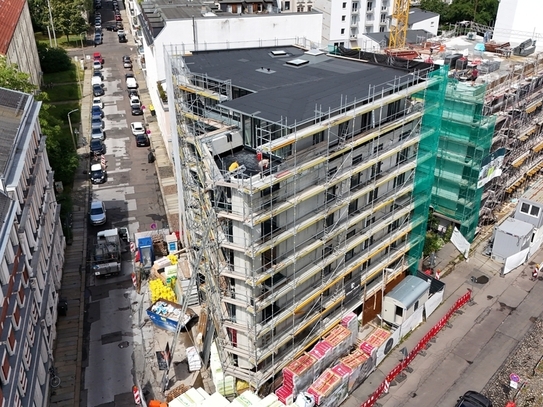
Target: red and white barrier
{"type": "Point", "coordinates": [137, 396]}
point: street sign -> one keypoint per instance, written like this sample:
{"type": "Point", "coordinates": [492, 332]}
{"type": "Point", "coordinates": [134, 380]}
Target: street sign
{"type": "Point", "coordinates": [514, 377]}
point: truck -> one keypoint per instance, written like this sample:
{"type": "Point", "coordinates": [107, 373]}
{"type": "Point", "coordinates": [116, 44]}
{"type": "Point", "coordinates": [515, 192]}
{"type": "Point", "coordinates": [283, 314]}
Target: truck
{"type": "Point", "coordinates": [106, 254]}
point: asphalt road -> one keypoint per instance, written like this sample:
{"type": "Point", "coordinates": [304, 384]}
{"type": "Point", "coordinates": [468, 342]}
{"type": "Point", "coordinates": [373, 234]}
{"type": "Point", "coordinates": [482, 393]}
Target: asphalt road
{"type": "Point", "coordinates": [132, 199]}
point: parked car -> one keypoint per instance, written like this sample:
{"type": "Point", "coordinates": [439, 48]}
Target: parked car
{"type": "Point", "coordinates": [98, 74]}
{"type": "Point", "coordinates": [123, 39]}
{"type": "Point", "coordinates": [97, 39]}
{"type": "Point", "coordinates": [96, 80]}
{"type": "Point", "coordinates": [473, 399]}
{"type": "Point", "coordinates": [137, 111]}
{"type": "Point", "coordinates": [119, 25]}
{"type": "Point", "coordinates": [97, 133]}
{"type": "Point", "coordinates": [97, 147]}
{"type": "Point", "coordinates": [127, 62]}
{"type": "Point", "coordinates": [142, 140]}
{"type": "Point", "coordinates": [118, 18]}
{"type": "Point", "coordinates": [137, 128]}
{"type": "Point", "coordinates": [135, 101]}
{"type": "Point", "coordinates": [98, 25]}
{"type": "Point", "coordinates": [97, 214]}
{"type": "Point", "coordinates": [131, 81]}
{"type": "Point", "coordinates": [97, 65]}
{"type": "Point", "coordinates": [98, 5]}
{"type": "Point", "coordinates": [121, 32]}
{"type": "Point", "coordinates": [98, 103]}
{"type": "Point", "coordinates": [97, 123]}
{"type": "Point", "coordinates": [98, 57]}
{"type": "Point", "coordinates": [96, 111]}
{"type": "Point", "coordinates": [97, 90]}
{"type": "Point", "coordinates": [98, 173]}
{"type": "Point", "coordinates": [133, 92]}
{"type": "Point", "coordinates": [111, 27]}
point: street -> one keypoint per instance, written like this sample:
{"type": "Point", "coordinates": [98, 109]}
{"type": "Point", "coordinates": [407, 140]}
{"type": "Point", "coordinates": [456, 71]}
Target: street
{"type": "Point", "coordinates": [132, 199]}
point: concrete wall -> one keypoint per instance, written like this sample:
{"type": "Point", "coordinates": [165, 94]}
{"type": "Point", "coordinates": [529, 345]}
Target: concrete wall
{"type": "Point", "coordinates": [430, 25]}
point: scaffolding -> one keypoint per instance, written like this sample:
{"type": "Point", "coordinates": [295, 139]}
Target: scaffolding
{"type": "Point", "coordinates": [283, 254]}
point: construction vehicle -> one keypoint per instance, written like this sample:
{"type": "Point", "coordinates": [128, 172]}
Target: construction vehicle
{"type": "Point", "coordinates": [106, 254]}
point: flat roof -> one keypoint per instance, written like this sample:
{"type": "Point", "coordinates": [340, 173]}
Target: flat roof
{"type": "Point", "coordinates": [12, 108]}
{"type": "Point", "coordinates": [295, 84]}
{"type": "Point", "coordinates": [409, 290]}
{"type": "Point", "coordinates": [535, 193]}
{"type": "Point", "coordinates": [411, 36]}
{"type": "Point", "coordinates": [416, 15]}
{"type": "Point", "coordinates": [515, 227]}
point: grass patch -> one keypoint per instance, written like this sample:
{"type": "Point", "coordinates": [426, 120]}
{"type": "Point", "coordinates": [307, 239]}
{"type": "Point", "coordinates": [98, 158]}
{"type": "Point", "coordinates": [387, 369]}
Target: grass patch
{"type": "Point", "coordinates": [62, 41]}
{"type": "Point", "coordinates": [63, 93]}
{"type": "Point", "coordinates": [61, 112]}
{"type": "Point", "coordinates": [62, 77]}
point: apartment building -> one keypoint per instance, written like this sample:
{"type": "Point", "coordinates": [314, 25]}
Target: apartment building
{"type": "Point", "coordinates": [303, 181]}
{"type": "Point", "coordinates": [199, 25]}
{"type": "Point", "coordinates": [31, 254]}
{"type": "Point", "coordinates": [344, 22]}
{"type": "Point", "coordinates": [17, 42]}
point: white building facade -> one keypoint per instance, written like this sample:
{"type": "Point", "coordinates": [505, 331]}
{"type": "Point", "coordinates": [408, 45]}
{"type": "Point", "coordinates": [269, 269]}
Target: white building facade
{"type": "Point", "coordinates": [344, 22]}
{"type": "Point", "coordinates": [518, 20]}
{"type": "Point", "coordinates": [31, 255]}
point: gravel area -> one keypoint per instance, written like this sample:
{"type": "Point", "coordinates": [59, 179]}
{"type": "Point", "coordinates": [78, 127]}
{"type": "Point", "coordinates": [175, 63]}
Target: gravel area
{"type": "Point", "coordinates": [526, 362]}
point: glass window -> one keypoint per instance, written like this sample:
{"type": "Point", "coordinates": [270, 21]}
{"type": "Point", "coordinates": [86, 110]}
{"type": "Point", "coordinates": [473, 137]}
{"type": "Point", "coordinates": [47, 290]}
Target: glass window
{"type": "Point", "coordinates": [342, 18]}
{"type": "Point", "coordinates": [525, 208]}
{"type": "Point", "coordinates": [344, 5]}
{"type": "Point", "coordinates": [534, 211]}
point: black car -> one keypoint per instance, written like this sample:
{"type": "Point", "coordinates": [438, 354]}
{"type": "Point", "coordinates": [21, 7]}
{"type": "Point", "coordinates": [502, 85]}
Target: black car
{"type": "Point", "coordinates": [137, 111]}
{"type": "Point", "coordinates": [133, 92]}
{"type": "Point", "coordinates": [473, 399]}
{"type": "Point", "coordinates": [97, 173]}
{"type": "Point", "coordinates": [97, 147]}
{"type": "Point", "coordinates": [112, 28]}
{"type": "Point", "coordinates": [97, 39]}
{"type": "Point", "coordinates": [122, 38]}
{"type": "Point", "coordinates": [119, 25]}
{"type": "Point", "coordinates": [142, 140]}
{"type": "Point", "coordinates": [98, 74]}
{"type": "Point", "coordinates": [96, 111]}
{"type": "Point", "coordinates": [97, 90]}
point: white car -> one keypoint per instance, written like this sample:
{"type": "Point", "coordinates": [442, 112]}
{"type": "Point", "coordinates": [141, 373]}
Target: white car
{"type": "Point", "coordinates": [135, 101]}
{"type": "Point", "coordinates": [97, 65]}
{"type": "Point", "coordinates": [97, 214]}
{"type": "Point", "coordinates": [98, 102]}
{"type": "Point", "coordinates": [131, 81]}
{"type": "Point", "coordinates": [137, 128]}
{"type": "Point", "coordinates": [120, 32]}
{"type": "Point", "coordinates": [96, 80]}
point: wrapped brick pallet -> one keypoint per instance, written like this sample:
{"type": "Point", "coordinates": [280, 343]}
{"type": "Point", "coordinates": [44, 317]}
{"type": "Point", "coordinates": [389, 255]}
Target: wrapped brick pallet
{"type": "Point", "coordinates": [284, 395]}
{"type": "Point", "coordinates": [341, 340]}
{"type": "Point", "coordinates": [323, 353]}
{"type": "Point", "coordinates": [350, 321]}
{"type": "Point", "coordinates": [299, 374]}
{"type": "Point", "coordinates": [324, 387]}
{"type": "Point", "coordinates": [361, 365]}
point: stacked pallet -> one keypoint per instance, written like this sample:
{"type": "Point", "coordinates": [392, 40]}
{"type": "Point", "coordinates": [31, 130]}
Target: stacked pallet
{"type": "Point", "coordinates": [247, 399]}
{"type": "Point", "coordinates": [224, 384]}
{"type": "Point", "coordinates": [324, 355]}
{"type": "Point", "coordinates": [299, 374]}
{"type": "Point", "coordinates": [284, 395]}
{"type": "Point", "coordinates": [350, 321]}
{"type": "Point", "coordinates": [327, 389]}
{"type": "Point", "coordinates": [361, 366]}
{"type": "Point", "coordinates": [341, 340]}
{"type": "Point", "coordinates": [378, 337]}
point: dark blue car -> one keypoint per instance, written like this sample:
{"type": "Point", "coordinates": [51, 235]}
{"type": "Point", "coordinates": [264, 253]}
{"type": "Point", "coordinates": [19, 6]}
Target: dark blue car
{"type": "Point", "coordinates": [97, 112]}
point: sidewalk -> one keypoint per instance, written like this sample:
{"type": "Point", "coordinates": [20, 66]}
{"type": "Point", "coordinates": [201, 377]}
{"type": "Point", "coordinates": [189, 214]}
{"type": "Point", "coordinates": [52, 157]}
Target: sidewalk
{"type": "Point", "coordinates": [68, 347]}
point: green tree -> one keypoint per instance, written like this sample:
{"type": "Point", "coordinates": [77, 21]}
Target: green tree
{"type": "Point", "coordinates": [39, 14]}
{"type": "Point", "coordinates": [480, 11]}
{"type": "Point", "coordinates": [53, 59]}
{"type": "Point", "coordinates": [68, 18]}
{"type": "Point", "coordinates": [12, 78]}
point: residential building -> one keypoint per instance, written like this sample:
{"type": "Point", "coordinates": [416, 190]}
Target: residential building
{"type": "Point", "coordinates": [303, 182]}
{"type": "Point", "coordinates": [344, 22]}
{"type": "Point", "coordinates": [518, 20]}
{"type": "Point", "coordinates": [378, 41]}
{"type": "Point", "coordinates": [17, 41]}
{"type": "Point", "coordinates": [31, 254]}
{"type": "Point", "coordinates": [194, 25]}
{"type": "Point", "coordinates": [423, 20]}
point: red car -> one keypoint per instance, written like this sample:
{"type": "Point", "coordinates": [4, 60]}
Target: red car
{"type": "Point", "coordinates": [118, 18]}
{"type": "Point", "coordinates": [98, 57]}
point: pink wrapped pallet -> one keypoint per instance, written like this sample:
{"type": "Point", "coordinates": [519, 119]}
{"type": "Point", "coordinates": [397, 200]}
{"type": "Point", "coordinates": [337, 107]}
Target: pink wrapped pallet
{"type": "Point", "coordinates": [323, 353]}
{"type": "Point", "coordinates": [340, 339]}
{"type": "Point", "coordinates": [324, 386]}
{"type": "Point", "coordinates": [350, 321]}
{"type": "Point", "coordinates": [299, 374]}
{"type": "Point", "coordinates": [284, 395]}
{"type": "Point", "coordinates": [361, 365]}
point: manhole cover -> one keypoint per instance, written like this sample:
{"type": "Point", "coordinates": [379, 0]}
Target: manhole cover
{"type": "Point", "coordinates": [123, 344]}
{"type": "Point", "coordinates": [479, 280]}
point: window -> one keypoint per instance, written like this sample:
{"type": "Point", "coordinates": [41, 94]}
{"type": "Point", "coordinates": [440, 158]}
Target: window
{"type": "Point", "coordinates": [287, 5]}
{"type": "Point", "coordinates": [401, 157]}
{"type": "Point", "coordinates": [300, 9]}
{"type": "Point", "coordinates": [351, 234]}
{"type": "Point", "coordinates": [355, 7]}
{"type": "Point", "coordinates": [343, 31]}
{"type": "Point", "coordinates": [528, 209]}
{"type": "Point", "coordinates": [329, 220]}
{"type": "Point", "coordinates": [369, 6]}
{"type": "Point", "coordinates": [355, 180]}
{"type": "Point", "coordinates": [327, 251]}
{"type": "Point", "coordinates": [344, 5]}
{"type": "Point", "coordinates": [309, 7]}
{"type": "Point", "coordinates": [381, 29]}
{"type": "Point", "coordinates": [416, 306]}
{"type": "Point", "coordinates": [372, 196]}
{"type": "Point", "coordinates": [349, 255]}
{"type": "Point", "coordinates": [399, 180]}
{"type": "Point", "coordinates": [353, 206]}
{"type": "Point", "coordinates": [358, 159]}
{"type": "Point", "coordinates": [6, 368]}
{"type": "Point", "coordinates": [383, 18]}
{"type": "Point", "coordinates": [342, 18]}
{"type": "Point", "coordinates": [399, 311]}
{"type": "Point", "coordinates": [378, 148]}
{"type": "Point", "coordinates": [330, 194]}
{"type": "Point", "coordinates": [326, 270]}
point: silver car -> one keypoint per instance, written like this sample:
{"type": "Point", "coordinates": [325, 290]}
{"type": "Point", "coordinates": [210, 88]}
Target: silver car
{"type": "Point", "coordinates": [97, 123]}
{"type": "Point", "coordinates": [98, 133]}
{"type": "Point", "coordinates": [97, 214]}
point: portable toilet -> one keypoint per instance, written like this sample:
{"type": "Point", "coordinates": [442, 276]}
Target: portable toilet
{"type": "Point", "coordinates": [145, 248]}
{"type": "Point", "coordinates": [408, 296]}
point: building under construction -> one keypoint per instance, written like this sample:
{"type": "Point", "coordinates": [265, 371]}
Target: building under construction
{"type": "Point", "coordinates": [304, 184]}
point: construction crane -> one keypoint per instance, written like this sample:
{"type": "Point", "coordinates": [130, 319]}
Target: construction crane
{"type": "Point", "coordinates": [398, 27]}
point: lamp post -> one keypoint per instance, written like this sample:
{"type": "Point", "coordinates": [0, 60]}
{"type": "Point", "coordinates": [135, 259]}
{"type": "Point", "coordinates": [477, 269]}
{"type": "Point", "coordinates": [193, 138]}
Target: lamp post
{"type": "Point", "coordinates": [51, 23]}
{"type": "Point", "coordinates": [71, 129]}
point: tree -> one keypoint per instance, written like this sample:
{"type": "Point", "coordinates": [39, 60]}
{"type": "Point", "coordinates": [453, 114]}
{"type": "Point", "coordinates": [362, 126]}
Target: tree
{"type": "Point", "coordinates": [39, 14]}
{"type": "Point", "coordinates": [68, 18]}
{"type": "Point", "coordinates": [12, 78]}
{"type": "Point", "coordinates": [480, 11]}
{"type": "Point", "coordinates": [53, 59]}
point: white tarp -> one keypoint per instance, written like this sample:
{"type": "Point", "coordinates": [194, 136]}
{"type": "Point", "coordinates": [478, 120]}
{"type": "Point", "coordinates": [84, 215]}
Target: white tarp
{"type": "Point", "coordinates": [392, 341]}
{"type": "Point", "coordinates": [517, 259]}
{"type": "Point", "coordinates": [433, 302]}
{"type": "Point", "coordinates": [460, 242]}
{"type": "Point", "coordinates": [412, 322]}
{"type": "Point", "coordinates": [536, 242]}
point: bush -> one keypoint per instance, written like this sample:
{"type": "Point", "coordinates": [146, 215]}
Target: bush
{"type": "Point", "coordinates": [161, 92]}
{"type": "Point", "coordinates": [53, 59]}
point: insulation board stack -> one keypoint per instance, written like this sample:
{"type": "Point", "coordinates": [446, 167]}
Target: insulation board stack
{"type": "Point", "coordinates": [341, 393]}
{"type": "Point", "coordinates": [269, 401]}
{"type": "Point", "coordinates": [324, 387]}
{"type": "Point", "coordinates": [361, 365]}
{"type": "Point", "coordinates": [224, 384]}
{"type": "Point", "coordinates": [284, 394]}
{"type": "Point", "coordinates": [216, 400]}
{"type": "Point", "coordinates": [193, 359]}
{"type": "Point", "coordinates": [323, 353]}
{"type": "Point", "coordinates": [247, 399]}
{"type": "Point", "coordinates": [191, 398]}
{"type": "Point", "coordinates": [350, 321]}
{"type": "Point", "coordinates": [341, 340]}
{"type": "Point", "coordinates": [299, 374]}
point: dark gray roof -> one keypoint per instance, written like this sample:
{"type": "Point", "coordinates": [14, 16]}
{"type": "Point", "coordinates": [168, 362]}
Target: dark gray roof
{"type": "Point", "coordinates": [416, 15]}
{"type": "Point", "coordinates": [288, 91]}
{"type": "Point", "coordinates": [412, 36]}
{"type": "Point", "coordinates": [12, 107]}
